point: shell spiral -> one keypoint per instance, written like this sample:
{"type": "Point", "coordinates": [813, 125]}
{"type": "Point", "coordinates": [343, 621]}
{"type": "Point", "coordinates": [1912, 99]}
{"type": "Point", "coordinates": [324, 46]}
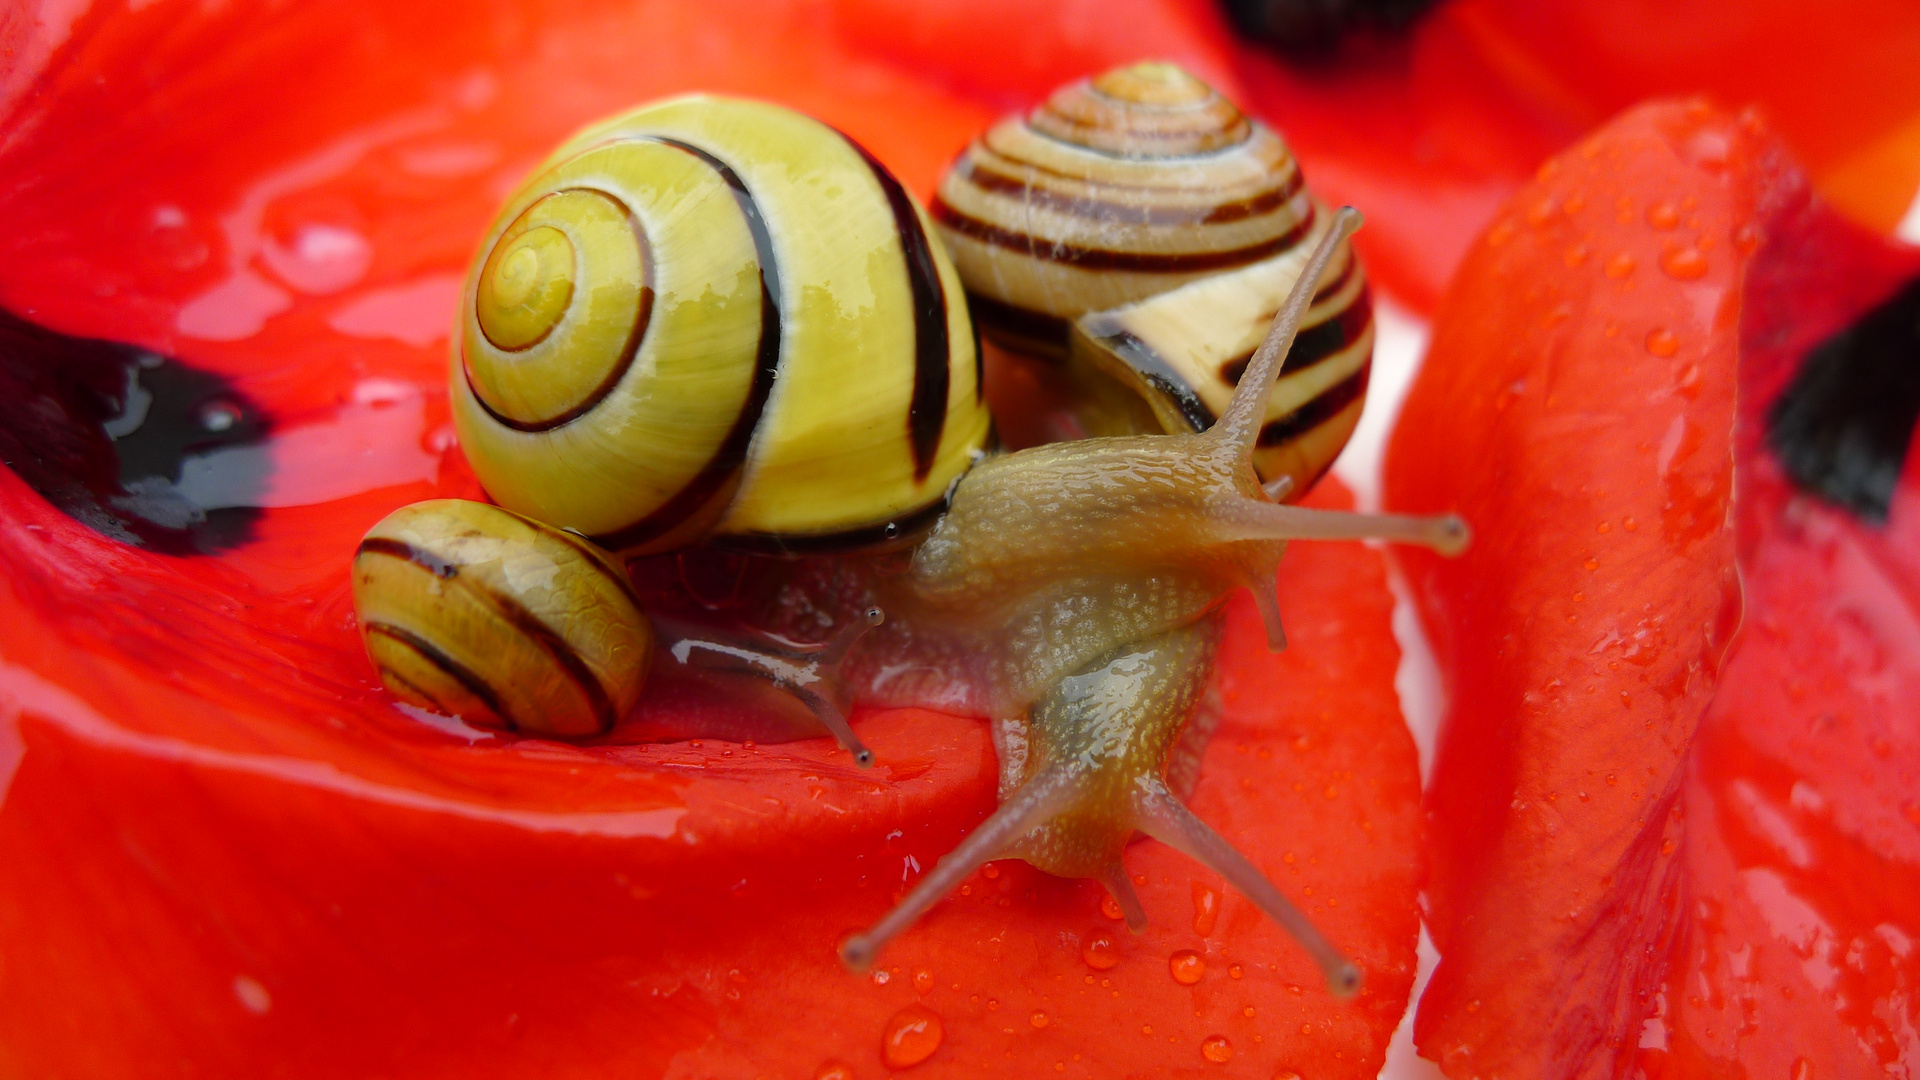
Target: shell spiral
{"type": "Point", "coordinates": [471, 610]}
{"type": "Point", "coordinates": [716, 317]}
{"type": "Point", "coordinates": [1141, 227]}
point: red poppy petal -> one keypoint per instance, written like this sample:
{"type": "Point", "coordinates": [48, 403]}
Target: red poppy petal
{"type": "Point", "coordinates": [1604, 881]}
{"type": "Point", "coordinates": [221, 845]}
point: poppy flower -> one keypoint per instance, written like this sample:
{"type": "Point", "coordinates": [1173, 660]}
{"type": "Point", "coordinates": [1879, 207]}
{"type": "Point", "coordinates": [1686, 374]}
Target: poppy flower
{"type": "Point", "coordinates": [1672, 814]}
{"type": "Point", "coordinates": [224, 849]}
{"type": "Point", "coordinates": [227, 850]}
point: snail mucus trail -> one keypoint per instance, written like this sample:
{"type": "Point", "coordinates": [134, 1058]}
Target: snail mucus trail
{"type": "Point", "coordinates": [614, 379]}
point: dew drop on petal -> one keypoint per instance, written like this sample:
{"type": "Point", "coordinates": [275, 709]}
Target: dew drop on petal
{"type": "Point", "coordinates": [923, 980]}
{"type": "Point", "coordinates": [833, 1070]}
{"type": "Point", "coordinates": [1111, 907]}
{"type": "Point", "coordinates": [1684, 264]}
{"type": "Point", "coordinates": [1619, 266]}
{"type": "Point", "coordinates": [1099, 951]}
{"type": "Point", "coordinates": [1206, 908]}
{"type": "Point", "coordinates": [911, 1037]}
{"type": "Point", "coordinates": [1186, 967]}
{"type": "Point", "coordinates": [1217, 1049]}
{"type": "Point", "coordinates": [1038, 1019]}
{"type": "Point", "coordinates": [1662, 342]}
{"type": "Point", "coordinates": [1663, 216]}
{"type": "Point", "coordinates": [1234, 971]}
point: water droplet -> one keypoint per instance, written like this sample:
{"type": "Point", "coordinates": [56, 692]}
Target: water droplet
{"type": "Point", "coordinates": [1474, 1005]}
{"type": "Point", "coordinates": [1247, 1012]}
{"type": "Point", "coordinates": [1746, 238]}
{"type": "Point", "coordinates": [1663, 216]}
{"type": "Point", "coordinates": [1206, 908]}
{"type": "Point", "coordinates": [1539, 212]}
{"type": "Point", "coordinates": [990, 871]}
{"type": "Point", "coordinates": [1802, 1069]}
{"type": "Point", "coordinates": [880, 976]}
{"type": "Point", "coordinates": [992, 1004]}
{"type": "Point", "coordinates": [1629, 524]}
{"type": "Point", "coordinates": [1110, 907]}
{"type": "Point", "coordinates": [923, 981]}
{"type": "Point", "coordinates": [1619, 266]}
{"type": "Point", "coordinates": [1684, 264]}
{"type": "Point", "coordinates": [217, 415]}
{"type": "Point", "coordinates": [1038, 1019]}
{"type": "Point", "coordinates": [1575, 256]}
{"type": "Point", "coordinates": [253, 996]}
{"type": "Point", "coordinates": [1662, 342]}
{"type": "Point", "coordinates": [833, 1070]}
{"type": "Point", "coordinates": [1099, 951]}
{"type": "Point", "coordinates": [1217, 1049]}
{"type": "Point", "coordinates": [1592, 563]}
{"type": "Point", "coordinates": [1146, 1029]}
{"type": "Point", "coordinates": [1186, 967]}
{"type": "Point", "coordinates": [1604, 527]}
{"type": "Point", "coordinates": [1612, 779]}
{"type": "Point", "coordinates": [1285, 1074]}
{"type": "Point", "coordinates": [1584, 797]}
{"type": "Point", "coordinates": [1234, 971]}
{"type": "Point", "coordinates": [911, 1037]}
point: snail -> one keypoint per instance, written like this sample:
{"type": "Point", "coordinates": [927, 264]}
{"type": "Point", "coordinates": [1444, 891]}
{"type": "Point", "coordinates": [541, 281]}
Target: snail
{"type": "Point", "coordinates": [1069, 592]}
{"type": "Point", "coordinates": [1139, 231]}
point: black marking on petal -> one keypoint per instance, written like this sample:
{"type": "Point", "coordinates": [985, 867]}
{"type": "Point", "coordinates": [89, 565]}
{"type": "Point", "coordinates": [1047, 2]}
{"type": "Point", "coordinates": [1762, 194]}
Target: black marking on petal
{"type": "Point", "coordinates": [139, 447]}
{"type": "Point", "coordinates": [1842, 428]}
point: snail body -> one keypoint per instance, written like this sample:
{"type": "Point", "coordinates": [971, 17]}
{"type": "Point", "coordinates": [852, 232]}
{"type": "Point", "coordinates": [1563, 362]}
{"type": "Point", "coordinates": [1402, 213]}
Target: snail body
{"type": "Point", "coordinates": [1071, 591]}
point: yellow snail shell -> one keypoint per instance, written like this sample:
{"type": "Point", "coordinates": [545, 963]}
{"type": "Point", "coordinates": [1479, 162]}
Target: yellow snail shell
{"type": "Point", "coordinates": [475, 611]}
{"type": "Point", "coordinates": [712, 316]}
{"type": "Point", "coordinates": [1139, 226]}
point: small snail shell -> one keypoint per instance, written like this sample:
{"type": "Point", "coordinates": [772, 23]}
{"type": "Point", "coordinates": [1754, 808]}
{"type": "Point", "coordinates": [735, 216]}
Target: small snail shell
{"type": "Point", "coordinates": [717, 316]}
{"type": "Point", "coordinates": [1140, 225]}
{"type": "Point", "coordinates": [471, 610]}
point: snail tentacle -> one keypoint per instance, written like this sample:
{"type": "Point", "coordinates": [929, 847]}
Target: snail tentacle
{"type": "Point", "coordinates": [1167, 820]}
{"type": "Point", "coordinates": [1239, 426]}
{"type": "Point", "coordinates": [1120, 887]}
{"type": "Point", "coordinates": [810, 674]}
{"type": "Point", "coordinates": [1036, 802]}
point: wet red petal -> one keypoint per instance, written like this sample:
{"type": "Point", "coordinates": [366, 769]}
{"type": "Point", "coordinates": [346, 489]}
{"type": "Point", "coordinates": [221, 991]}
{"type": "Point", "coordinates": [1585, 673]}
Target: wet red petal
{"type": "Point", "coordinates": [1653, 850]}
{"type": "Point", "coordinates": [221, 844]}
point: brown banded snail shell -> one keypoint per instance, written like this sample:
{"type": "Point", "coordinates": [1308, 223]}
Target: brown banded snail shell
{"type": "Point", "coordinates": [475, 611]}
{"type": "Point", "coordinates": [1139, 227]}
{"type": "Point", "coordinates": [713, 317]}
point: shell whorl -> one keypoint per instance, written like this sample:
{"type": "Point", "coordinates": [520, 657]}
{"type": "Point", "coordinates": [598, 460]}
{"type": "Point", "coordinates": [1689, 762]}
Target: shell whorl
{"type": "Point", "coordinates": [1115, 189]}
{"type": "Point", "coordinates": [475, 611]}
{"type": "Point", "coordinates": [713, 316]}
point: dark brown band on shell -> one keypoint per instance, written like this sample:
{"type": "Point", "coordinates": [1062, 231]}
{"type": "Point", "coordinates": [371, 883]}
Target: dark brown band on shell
{"type": "Point", "coordinates": [972, 171]}
{"type": "Point", "coordinates": [720, 470]}
{"type": "Point", "coordinates": [1317, 343]}
{"type": "Point", "coordinates": [1154, 369]}
{"type": "Point", "coordinates": [636, 333]}
{"type": "Point", "coordinates": [1020, 329]}
{"type": "Point", "coordinates": [1321, 408]}
{"type": "Point", "coordinates": [932, 376]}
{"type": "Point", "coordinates": [902, 529]}
{"type": "Point", "coordinates": [510, 611]}
{"type": "Point", "coordinates": [1106, 259]}
{"type": "Point", "coordinates": [448, 666]}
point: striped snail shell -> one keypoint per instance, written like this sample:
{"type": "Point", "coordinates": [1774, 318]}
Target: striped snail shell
{"type": "Point", "coordinates": [1142, 228]}
{"type": "Point", "coordinates": [475, 611]}
{"type": "Point", "coordinates": [717, 317]}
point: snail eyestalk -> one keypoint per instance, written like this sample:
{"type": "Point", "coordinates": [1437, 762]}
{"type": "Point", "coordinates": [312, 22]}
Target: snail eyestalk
{"type": "Point", "coordinates": [1037, 801]}
{"type": "Point", "coordinates": [1162, 817]}
{"type": "Point", "coordinates": [810, 674]}
{"type": "Point", "coordinates": [1248, 519]}
{"type": "Point", "coordinates": [1239, 425]}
